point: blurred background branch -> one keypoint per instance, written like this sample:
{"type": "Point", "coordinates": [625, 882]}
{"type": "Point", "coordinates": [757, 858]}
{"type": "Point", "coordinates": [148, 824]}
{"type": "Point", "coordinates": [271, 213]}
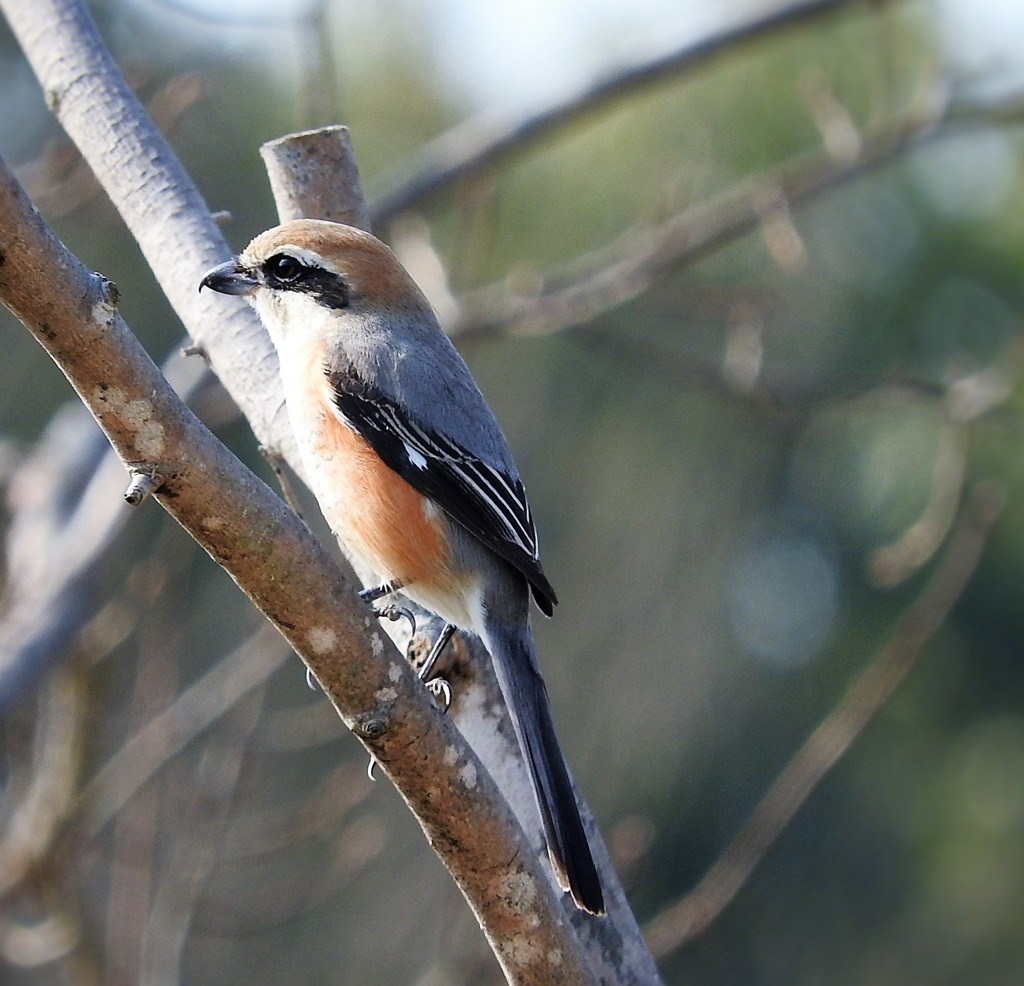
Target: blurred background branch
{"type": "Point", "coordinates": [833, 737]}
{"type": "Point", "coordinates": [619, 272]}
{"type": "Point", "coordinates": [478, 147]}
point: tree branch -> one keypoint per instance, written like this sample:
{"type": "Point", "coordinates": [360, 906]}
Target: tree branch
{"type": "Point", "coordinates": [474, 149]}
{"type": "Point", "coordinates": [313, 188]}
{"type": "Point", "coordinates": [598, 282]}
{"type": "Point", "coordinates": [167, 733]}
{"type": "Point", "coordinates": [156, 198]}
{"type": "Point", "coordinates": [291, 578]}
{"type": "Point", "coordinates": [679, 924]}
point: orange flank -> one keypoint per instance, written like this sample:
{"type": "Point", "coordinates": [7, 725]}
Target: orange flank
{"type": "Point", "coordinates": [382, 516]}
{"type": "Point", "coordinates": [383, 522]}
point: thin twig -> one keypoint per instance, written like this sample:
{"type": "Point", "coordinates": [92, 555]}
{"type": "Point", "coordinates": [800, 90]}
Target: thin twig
{"type": "Point", "coordinates": [871, 690]}
{"type": "Point", "coordinates": [194, 855]}
{"type": "Point", "coordinates": [619, 272]}
{"type": "Point", "coordinates": [166, 734]}
{"type": "Point", "coordinates": [479, 146]}
{"type": "Point", "coordinates": [41, 810]}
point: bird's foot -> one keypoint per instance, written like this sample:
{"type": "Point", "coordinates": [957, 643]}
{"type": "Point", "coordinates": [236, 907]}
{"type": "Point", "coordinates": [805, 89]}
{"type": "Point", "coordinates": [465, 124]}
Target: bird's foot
{"type": "Point", "coordinates": [393, 613]}
{"type": "Point", "coordinates": [438, 687]}
{"type": "Point", "coordinates": [389, 611]}
{"type": "Point", "coordinates": [441, 691]}
{"type": "Point", "coordinates": [376, 592]}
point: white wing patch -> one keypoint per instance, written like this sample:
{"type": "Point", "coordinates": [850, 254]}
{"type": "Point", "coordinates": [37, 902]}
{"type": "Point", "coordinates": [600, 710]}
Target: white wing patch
{"type": "Point", "coordinates": [504, 499]}
{"type": "Point", "coordinates": [415, 457]}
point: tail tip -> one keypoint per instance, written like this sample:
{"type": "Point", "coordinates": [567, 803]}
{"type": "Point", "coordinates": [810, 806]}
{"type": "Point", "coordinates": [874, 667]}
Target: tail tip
{"type": "Point", "coordinates": [583, 887]}
{"type": "Point", "coordinates": [592, 902]}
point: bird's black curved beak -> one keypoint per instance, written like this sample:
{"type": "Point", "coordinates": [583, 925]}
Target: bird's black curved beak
{"type": "Point", "coordinates": [230, 278]}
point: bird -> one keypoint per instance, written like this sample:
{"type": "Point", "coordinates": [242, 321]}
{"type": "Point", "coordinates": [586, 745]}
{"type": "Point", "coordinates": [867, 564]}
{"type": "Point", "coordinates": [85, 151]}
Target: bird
{"type": "Point", "coordinates": [413, 474]}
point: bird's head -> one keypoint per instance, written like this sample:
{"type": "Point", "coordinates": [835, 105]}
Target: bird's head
{"type": "Point", "coordinates": [309, 268]}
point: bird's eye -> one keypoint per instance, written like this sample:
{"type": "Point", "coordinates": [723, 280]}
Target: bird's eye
{"type": "Point", "coordinates": [284, 269]}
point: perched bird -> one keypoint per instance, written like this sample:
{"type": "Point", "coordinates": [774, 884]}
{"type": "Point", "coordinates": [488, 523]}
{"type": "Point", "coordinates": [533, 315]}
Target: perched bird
{"type": "Point", "coordinates": [412, 472]}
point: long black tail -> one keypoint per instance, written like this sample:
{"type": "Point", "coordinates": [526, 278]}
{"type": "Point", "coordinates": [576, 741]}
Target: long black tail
{"type": "Point", "coordinates": [526, 696]}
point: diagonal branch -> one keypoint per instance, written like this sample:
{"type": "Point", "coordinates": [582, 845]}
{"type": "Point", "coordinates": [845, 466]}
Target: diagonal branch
{"type": "Point", "coordinates": [304, 171]}
{"type": "Point", "coordinates": [480, 146]}
{"type": "Point", "coordinates": [621, 271]}
{"type": "Point", "coordinates": [167, 733]}
{"type": "Point", "coordinates": [824, 748]}
{"type": "Point", "coordinates": [155, 197]}
{"type": "Point", "coordinates": [291, 578]}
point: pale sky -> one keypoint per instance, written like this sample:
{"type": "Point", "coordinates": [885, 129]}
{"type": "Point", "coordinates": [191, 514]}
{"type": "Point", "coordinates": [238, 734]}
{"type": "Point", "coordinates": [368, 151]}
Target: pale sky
{"type": "Point", "coordinates": [482, 44]}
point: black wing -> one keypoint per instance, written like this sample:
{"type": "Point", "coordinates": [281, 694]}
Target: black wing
{"type": "Point", "coordinates": [488, 503]}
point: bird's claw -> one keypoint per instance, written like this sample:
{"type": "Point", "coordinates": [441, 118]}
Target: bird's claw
{"type": "Point", "coordinates": [438, 687]}
{"type": "Point", "coordinates": [375, 592]}
{"type": "Point", "coordinates": [442, 691]}
{"type": "Point", "coordinates": [390, 611]}
{"type": "Point", "coordinates": [395, 613]}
